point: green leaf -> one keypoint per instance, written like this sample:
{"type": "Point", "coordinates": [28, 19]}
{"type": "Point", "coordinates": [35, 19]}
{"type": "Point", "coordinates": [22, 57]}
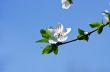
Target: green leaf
{"type": "Point", "coordinates": [47, 49]}
{"type": "Point", "coordinates": [86, 38]}
{"type": "Point", "coordinates": [43, 40]}
{"type": "Point", "coordinates": [80, 31]}
{"type": "Point", "coordinates": [83, 37]}
{"type": "Point", "coordinates": [109, 24]}
{"type": "Point", "coordinates": [55, 49]}
{"type": "Point", "coordinates": [109, 17]}
{"type": "Point", "coordinates": [100, 29]}
{"type": "Point", "coordinates": [45, 33]}
{"type": "Point", "coordinates": [80, 37]}
{"type": "Point", "coordinates": [95, 25]}
{"type": "Point", "coordinates": [50, 48]}
{"type": "Point", "coordinates": [70, 1]}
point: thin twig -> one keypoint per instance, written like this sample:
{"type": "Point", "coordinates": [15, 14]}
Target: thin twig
{"type": "Point", "coordinates": [89, 33]}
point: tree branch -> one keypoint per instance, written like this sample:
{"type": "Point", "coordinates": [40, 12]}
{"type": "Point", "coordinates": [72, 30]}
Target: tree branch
{"type": "Point", "coordinates": [60, 43]}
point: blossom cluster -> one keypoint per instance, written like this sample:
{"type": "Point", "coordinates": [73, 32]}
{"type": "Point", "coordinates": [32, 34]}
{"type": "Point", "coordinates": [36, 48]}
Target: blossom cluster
{"type": "Point", "coordinates": [57, 35]}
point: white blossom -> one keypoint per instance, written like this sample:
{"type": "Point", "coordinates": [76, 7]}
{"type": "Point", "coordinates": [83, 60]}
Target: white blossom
{"type": "Point", "coordinates": [86, 33]}
{"type": "Point", "coordinates": [106, 15]}
{"type": "Point", "coordinates": [65, 4]}
{"type": "Point", "coordinates": [58, 34]}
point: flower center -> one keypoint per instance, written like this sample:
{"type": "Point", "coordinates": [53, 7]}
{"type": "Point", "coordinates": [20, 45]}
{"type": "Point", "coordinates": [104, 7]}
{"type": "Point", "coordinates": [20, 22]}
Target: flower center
{"type": "Point", "coordinates": [58, 35]}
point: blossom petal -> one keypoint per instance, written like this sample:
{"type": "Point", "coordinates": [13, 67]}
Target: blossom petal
{"type": "Point", "coordinates": [58, 34]}
{"type": "Point", "coordinates": [62, 39]}
{"type": "Point", "coordinates": [52, 41]}
{"type": "Point", "coordinates": [106, 16]}
{"type": "Point", "coordinates": [50, 30]}
{"type": "Point", "coordinates": [86, 33]}
{"type": "Point", "coordinates": [67, 31]}
{"type": "Point", "coordinates": [106, 11]}
{"type": "Point", "coordinates": [107, 19]}
{"type": "Point", "coordinates": [62, 1]}
{"type": "Point", "coordinates": [58, 29]}
{"type": "Point", "coordinates": [65, 4]}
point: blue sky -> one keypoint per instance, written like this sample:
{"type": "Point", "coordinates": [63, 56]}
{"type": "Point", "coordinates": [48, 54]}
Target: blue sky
{"type": "Point", "coordinates": [21, 20]}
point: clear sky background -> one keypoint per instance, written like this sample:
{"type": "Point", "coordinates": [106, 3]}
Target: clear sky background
{"type": "Point", "coordinates": [21, 20]}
